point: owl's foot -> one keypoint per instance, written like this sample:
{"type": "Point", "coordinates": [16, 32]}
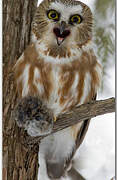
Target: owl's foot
{"type": "Point", "coordinates": [55, 118]}
{"type": "Point", "coordinates": [32, 115]}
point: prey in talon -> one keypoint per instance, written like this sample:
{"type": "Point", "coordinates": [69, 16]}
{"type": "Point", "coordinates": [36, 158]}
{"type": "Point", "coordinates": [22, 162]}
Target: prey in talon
{"type": "Point", "coordinates": [34, 116]}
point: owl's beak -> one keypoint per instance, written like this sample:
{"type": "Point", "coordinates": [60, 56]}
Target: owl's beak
{"type": "Point", "coordinates": [62, 27]}
{"type": "Point", "coordinates": [61, 33]}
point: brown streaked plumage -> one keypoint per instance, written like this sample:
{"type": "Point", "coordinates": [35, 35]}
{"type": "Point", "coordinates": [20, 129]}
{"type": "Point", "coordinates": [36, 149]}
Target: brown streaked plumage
{"type": "Point", "coordinates": [60, 67]}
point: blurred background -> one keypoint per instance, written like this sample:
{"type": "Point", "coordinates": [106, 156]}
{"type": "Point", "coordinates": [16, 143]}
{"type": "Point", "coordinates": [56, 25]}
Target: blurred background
{"type": "Point", "coordinates": [95, 159]}
{"type": "Point", "coordinates": [96, 156]}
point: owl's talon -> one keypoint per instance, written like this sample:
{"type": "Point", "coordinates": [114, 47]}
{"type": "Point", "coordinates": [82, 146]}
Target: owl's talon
{"type": "Point", "coordinates": [55, 118]}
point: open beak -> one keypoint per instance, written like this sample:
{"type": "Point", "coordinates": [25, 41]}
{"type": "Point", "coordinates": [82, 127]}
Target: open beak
{"type": "Point", "coordinates": [61, 33]}
{"type": "Point", "coordinates": [62, 29]}
{"type": "Point", "coordinates": [59, 41]}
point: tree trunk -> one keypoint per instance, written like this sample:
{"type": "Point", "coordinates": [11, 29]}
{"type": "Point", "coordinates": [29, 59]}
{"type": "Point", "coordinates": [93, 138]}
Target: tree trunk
{"type": "Point", "coordinates": [19, 162]}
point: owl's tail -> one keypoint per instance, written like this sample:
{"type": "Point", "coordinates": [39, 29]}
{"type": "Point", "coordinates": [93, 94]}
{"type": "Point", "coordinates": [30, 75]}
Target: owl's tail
{"type": "Point", "coordinates": [55, 170]}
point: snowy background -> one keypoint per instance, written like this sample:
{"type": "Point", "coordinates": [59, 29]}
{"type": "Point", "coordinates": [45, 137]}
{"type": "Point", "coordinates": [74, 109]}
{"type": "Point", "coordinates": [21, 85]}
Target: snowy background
{"type": "Point", "coordinates": [95, 159]}
{"type": "Point", "coordinates": [96, 155]}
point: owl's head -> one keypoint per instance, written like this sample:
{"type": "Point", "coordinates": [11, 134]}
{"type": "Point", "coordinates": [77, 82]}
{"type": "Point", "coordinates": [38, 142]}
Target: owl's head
{"type": "Point", "coordinates": [63, 23]}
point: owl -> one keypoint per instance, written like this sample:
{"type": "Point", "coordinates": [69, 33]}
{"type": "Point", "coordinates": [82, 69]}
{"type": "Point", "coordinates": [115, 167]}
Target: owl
{"type": "Point", "coordinates": [59, 67]}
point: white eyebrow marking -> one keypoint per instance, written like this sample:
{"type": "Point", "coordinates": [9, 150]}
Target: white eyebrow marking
{"type": "Point", "coordinates": [66, 10]}
{"type": "Point", "coordinates": [25, 77]}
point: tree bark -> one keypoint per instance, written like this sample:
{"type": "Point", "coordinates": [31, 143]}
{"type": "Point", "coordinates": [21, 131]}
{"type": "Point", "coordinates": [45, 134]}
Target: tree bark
{"type": "Point", "coordinates": [19, 163]}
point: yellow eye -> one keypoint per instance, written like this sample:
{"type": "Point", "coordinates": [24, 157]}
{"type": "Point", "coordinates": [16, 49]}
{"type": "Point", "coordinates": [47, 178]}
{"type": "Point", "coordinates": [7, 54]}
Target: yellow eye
{"type": "Point", "coordinates": [75, 19]}
{"type": "Point", "coordinates": [52, 14]}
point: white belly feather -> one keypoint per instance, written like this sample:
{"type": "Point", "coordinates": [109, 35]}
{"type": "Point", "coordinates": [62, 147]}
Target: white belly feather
{"type": "Point", "coordinates": [60, 145]}
{"type": "Point", "coordinates": [57, 146]}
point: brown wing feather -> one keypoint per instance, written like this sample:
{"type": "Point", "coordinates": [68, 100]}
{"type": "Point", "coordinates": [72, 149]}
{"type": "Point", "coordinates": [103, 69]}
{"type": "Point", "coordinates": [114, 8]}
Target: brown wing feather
{"type": "Point", "coordinates": [80, 137]}
{"type": "Point", "coordinates": [84, 128]}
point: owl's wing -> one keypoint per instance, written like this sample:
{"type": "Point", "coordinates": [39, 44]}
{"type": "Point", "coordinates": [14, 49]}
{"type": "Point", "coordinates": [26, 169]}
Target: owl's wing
{"type": "Point", "coordinates": [80, 137]}
{"type": "Point", "coordinates": [83, 130]}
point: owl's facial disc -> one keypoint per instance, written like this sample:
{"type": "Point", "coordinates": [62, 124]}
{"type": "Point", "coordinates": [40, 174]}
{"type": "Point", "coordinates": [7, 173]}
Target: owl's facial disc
{"type": "Point", "coordinates": [61, 33]}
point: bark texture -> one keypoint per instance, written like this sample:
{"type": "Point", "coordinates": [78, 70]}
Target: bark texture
{"type": "Point", "coordinates": [19, 163]}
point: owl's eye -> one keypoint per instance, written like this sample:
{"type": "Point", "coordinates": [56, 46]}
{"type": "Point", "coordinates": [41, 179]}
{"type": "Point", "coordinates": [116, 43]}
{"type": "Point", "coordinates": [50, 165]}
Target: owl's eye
{"type": "Point", "coordinates": [77, 19]}
{"type": "Point", "coordinates": [54, 15]}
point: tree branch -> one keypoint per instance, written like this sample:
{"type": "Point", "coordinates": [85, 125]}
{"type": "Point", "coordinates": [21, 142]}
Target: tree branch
{"type": "Point", "coordinates": [78, 114]}
{"type": "Point", "coordinates": [84, 112]}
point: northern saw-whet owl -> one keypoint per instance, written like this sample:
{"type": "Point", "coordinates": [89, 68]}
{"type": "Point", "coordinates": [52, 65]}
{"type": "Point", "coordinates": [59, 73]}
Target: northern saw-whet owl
{"type": "Point", "coordinates": [60, 67]}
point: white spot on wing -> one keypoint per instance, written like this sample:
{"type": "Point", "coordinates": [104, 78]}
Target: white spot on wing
{"type": "Point", "coordinates": [36, 73]}
{"type": "Point", "coordinates": [25, 77]}
{"type": "Point", "coordinates": [75, 83]}
{"type": "Point", "coordinates": [87, 87]}
{"type": "Point", "coordinates": [74, 91]}
{"type": "Point", "coordinates": [98, 69]}
{"type": "Point", "coordinates": [37, 76]}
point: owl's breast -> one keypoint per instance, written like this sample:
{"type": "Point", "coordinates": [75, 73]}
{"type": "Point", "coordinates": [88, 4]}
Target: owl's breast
{"type": "Point", "coordinates": [60, 86]}
{"type": "Point", "coordinates": [64, 91]}
{"type": "Point", "coordinates": [64, 87]}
